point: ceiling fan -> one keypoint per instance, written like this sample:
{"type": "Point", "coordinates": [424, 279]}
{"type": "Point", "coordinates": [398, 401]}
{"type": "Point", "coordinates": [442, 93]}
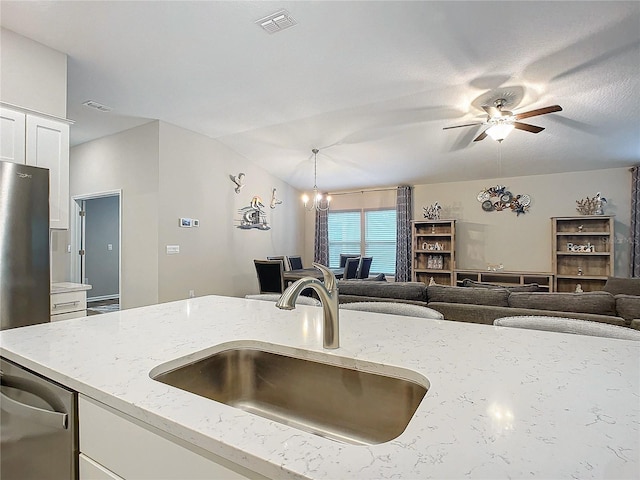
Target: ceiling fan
{"type": "Point", "coordinates": [501, 122]}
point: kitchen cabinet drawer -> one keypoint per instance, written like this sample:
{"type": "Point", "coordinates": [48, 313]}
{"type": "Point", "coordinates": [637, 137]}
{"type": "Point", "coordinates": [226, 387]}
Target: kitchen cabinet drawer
{"type": "Point", "coordinates": [68, 316]}
{"type": "Point", "coordinates": [68, 302]}
{"type": "Point", "coordinates": [90, 470]}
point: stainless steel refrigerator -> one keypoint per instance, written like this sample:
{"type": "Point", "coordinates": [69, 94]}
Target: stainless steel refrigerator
{"type": "Point", "coordinates": [25, 280]}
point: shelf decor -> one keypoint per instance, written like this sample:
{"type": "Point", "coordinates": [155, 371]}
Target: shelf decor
{"type": "Point", "coordinates": [433, 211]}
{"type": "Point", "coordinates": [498, 198]}
{"type": "Point", "coordinates": [591, 206]}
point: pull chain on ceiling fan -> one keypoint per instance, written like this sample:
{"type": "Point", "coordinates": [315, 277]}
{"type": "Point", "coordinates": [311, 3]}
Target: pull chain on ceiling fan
{"type": "Point", "coordinates": [501, 122]}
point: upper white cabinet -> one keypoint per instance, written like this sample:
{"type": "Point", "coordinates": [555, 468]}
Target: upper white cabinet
{"type": "Point", "coordinates": [42, 142]}
{"type": "Point", "coordinates": [12, 136]}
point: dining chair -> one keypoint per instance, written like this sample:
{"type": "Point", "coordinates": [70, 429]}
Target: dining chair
{"type": "Point", "coordinates": [270, 279]}
{"type": "Point", "coordinates": [344, 256]}
{"type": "Point", "coordinates": [364, 267]}
{"type": "Point", "coordinates": [568, 325]}
{"type": "Point", "coordinates": [295, 262]}
{"type": "Point", "coordinates": [394, 308]}
{"type": "Point", "coordinates": [351, 268]}
{"type": "Point", "coordinates": [285, 264]}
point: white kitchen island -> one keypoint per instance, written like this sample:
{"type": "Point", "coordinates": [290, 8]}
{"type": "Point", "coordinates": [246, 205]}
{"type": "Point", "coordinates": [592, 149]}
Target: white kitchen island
{"type": "Point", "coordinates": [502, 403]}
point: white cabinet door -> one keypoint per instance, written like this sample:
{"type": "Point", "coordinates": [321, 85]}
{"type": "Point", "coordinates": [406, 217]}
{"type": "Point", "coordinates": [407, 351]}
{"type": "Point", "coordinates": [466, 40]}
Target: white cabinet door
{"type": "Point", "coordinates": [126, 448]}
{"type": "Point", "coordinates": [47, 145]}
{"type": "Point", "coordinates": [12, 136]}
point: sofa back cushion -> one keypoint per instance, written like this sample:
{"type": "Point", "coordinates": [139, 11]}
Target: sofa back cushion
{"type": "Point", "coordinates": [497, 297]}
{"type": "Point", "coordinates": [628, 306]}
{"type": "Point", "coordinates": [416, 291]}
{"type": "Point", "coordinates": [529, 287]}
{"type": "Point", "coordinates": [622, 286]}
{"type": "Point", "coordinates": [602, 303]}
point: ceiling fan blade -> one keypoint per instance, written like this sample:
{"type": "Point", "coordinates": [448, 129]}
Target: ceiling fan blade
{"type": "Point", "coordinates": [539, 111]}
{"type": "Point", "coordinates": [527, 127]}
{"type": "Point", "coordinates": [482, 136]}
{"type": "Point", "coordinates": [492, 111]}
{"type": "Point", "coordinates": [465, 125]}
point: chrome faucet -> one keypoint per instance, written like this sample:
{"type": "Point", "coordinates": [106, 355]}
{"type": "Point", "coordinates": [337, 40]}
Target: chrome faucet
{"type": "Point", "coordinates": [328, 293]}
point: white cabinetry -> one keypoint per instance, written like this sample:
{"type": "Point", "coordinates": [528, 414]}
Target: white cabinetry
{"type": "Point", "coordinates": [114, 446]}
{"type": "Point", "coordinates": [68, 305]}
{"type": "Point", "coordinates": [42, 142]}
{"type": "Point", "coordinates": [12, 136]}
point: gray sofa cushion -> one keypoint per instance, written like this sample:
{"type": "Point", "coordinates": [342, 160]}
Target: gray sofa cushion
{"type": "Point", "coordinates": [628, 306]}
{"type": "Point", "coordinates": [461, 312]}
{"type": "Point", "coordinates": [601, 303]}
{"type": "Point", "coordinates": [472, 295]}
{"type": "Point", "coordinates": [529, 287]}
{"type": "Point", "coordinates": [416, 291]}
{"type": "Point", "coordinates": [622, 286]}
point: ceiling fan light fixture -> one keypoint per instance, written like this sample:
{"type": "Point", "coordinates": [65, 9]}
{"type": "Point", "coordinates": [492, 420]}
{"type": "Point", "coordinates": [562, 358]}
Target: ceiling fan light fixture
{"type": "Point", "coordinates": [500, 131]}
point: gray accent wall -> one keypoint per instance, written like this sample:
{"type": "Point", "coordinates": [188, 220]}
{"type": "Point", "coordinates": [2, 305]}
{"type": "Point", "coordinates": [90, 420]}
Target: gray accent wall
{"type": "Point", "coordinates": [102, 248]}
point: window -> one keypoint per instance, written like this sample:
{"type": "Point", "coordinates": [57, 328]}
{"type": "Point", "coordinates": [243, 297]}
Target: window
{"type": "Point", "coordinates": [365, 232]}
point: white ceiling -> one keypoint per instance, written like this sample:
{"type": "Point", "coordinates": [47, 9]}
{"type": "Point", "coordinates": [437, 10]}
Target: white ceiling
{"type": "Point", "coordinates": [370, 83]}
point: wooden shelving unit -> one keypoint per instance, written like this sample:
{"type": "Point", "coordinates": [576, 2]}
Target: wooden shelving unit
{"type": "Point", "coordinates": [429, 262]}
{"type": "Point", "coordinates": [588, 268]}
{"type": "Point", "coordinates": [508, 279]}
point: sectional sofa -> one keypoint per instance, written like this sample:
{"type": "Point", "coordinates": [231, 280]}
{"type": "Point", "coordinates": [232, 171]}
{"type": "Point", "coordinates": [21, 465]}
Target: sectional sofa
{"type": "Point", "coordinates": [617, 304]}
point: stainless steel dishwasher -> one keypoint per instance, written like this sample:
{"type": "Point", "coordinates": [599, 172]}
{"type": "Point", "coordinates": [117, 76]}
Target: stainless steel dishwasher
{"type": "Point", "coordinates": [39, 432]}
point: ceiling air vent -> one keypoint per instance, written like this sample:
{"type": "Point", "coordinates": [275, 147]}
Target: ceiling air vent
{"type": "Point", "coordinates": [276, 22]}
{"type": "Point", "coordinates": [97, 106]}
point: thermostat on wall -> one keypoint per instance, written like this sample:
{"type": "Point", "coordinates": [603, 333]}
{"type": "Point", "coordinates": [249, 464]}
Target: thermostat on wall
{"type": "Point", "coordinates": [189, 222]}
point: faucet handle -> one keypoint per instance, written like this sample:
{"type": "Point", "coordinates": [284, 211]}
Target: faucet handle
{"type": "Point", "coordinates": [330, 281]}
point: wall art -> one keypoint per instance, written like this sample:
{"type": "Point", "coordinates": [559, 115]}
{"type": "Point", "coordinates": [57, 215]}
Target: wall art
{"type": "Point", "coordinates": [238, 180]}
{"type": "Point", "coordinates": [253, 216]}
{"type": "Point", "coordinates": [274, 199]}
{"type": "Point", "coordinates": [498, 198]}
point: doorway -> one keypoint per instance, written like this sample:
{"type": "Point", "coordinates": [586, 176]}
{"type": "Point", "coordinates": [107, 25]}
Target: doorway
{"type": "Point", "coordinates": [96, 240]}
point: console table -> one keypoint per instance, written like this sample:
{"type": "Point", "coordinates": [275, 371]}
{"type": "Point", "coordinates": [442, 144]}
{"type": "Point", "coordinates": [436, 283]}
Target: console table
{"type": "Point", "coordinates": [506, 278]}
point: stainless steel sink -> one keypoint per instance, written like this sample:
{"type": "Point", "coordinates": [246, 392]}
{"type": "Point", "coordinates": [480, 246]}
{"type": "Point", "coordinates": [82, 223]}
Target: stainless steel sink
{"type": "Point", "coordinates": [337, 402]}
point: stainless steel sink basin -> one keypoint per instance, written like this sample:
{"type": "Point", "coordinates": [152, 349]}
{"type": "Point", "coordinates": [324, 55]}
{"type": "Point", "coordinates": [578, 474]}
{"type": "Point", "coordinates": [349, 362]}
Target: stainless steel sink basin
{"type": "Point", "coordinates": [337, 402]}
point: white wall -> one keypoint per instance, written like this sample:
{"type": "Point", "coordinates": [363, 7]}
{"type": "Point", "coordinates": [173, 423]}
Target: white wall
{"type": "Point", "coordinates": [217, 257]}
{"type": "Point", "coordinates": [166, 172]}
{"type": "Point", "coordinates": [127, 161]}
{"type": "Point", "coordinates": [523, 243]}
{"type": "Point", "coordinates": [33, 75]}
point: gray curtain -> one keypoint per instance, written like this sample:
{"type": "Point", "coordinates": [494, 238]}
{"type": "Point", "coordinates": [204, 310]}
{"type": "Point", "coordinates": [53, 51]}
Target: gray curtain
{"type": "Point", "coordinates": [634, 236]}
{"type": "Point", "coordinates": [404, 213]}
{"type": "Point", "coordinates": [321, 244]}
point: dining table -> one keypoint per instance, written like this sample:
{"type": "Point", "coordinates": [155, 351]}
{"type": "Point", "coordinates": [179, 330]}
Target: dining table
{"type": "Point", "coordinates": [293, 275]}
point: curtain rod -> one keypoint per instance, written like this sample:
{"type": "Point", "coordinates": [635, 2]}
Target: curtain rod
{"type": "Point", "coordinates": [366, 191]}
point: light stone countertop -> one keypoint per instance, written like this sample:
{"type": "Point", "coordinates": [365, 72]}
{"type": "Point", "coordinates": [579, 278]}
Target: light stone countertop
{"type": "Point", "coordinates": [66, 287]}
{"type": "Point", "coordinates": [503, 402]}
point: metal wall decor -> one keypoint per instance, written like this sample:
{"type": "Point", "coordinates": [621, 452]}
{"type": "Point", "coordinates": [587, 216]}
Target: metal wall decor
{"type": "Point", "coordinates": [591, 206]}
{"type": "Point", "coordinates": [274, 199]}
{"type": "Point", "coordinates": [238, 180]}
{"type": "Point", "coordinates": [498, 198]}
{"type": "Point", "coordinates": [432, 212]}
{"type": "Point", "coordinates": [253, 216]}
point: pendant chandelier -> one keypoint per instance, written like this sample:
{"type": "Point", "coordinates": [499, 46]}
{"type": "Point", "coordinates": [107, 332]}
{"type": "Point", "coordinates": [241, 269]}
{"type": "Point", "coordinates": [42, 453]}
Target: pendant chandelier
{"type": "Point", "coordinates": [320, 200]}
